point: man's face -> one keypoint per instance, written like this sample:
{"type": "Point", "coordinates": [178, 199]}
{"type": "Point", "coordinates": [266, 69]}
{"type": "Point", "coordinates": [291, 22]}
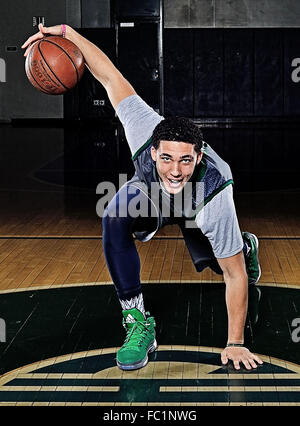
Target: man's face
{"type": "Point", "coordinates": [175, 163]}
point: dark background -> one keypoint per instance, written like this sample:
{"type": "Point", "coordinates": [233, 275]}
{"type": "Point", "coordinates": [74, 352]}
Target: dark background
{"type": "Point", "coordinates": [225, 64]}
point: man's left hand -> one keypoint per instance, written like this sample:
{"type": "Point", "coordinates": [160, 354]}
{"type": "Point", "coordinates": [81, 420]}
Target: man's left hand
{"type": "Point", "coordinates": [240, 354]}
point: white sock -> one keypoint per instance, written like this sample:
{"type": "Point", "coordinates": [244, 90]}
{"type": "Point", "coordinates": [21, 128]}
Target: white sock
{"type": "Point", "coordinates": [135, 302]}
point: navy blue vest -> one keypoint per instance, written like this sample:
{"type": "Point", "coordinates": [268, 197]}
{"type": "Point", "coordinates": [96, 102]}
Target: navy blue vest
{"type": "Point", "coordinates": [213, 172]}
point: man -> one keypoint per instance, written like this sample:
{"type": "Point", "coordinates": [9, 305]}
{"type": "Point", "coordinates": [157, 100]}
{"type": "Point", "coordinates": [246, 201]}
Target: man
{"type": "Point", "coordinates": [171, 154]}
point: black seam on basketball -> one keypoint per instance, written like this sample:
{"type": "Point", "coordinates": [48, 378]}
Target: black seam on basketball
{"type": "Point", "coordinates": [73, 63]}
{"type": "Point", "coordinates": [53, 81]}
{"type": "Point", "coordinates": [31, 73]}
{"type": "Point", "coordinates": [41, 53]}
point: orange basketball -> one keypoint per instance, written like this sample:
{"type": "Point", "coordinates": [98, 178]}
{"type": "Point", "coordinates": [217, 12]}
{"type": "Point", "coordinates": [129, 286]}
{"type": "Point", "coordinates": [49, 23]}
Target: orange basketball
{"type": "Point", "coordinates": [54, 65]}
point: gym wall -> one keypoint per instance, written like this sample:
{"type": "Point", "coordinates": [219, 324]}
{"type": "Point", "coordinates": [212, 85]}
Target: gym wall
{"type": "Point", "coordinates": [246, 73]}
{"type": "Point", "coordinates": [232, 13]}
{"type": "Point", "coordinates": [18, 99]}
{"type": "Point", "coordinates": [211, 47]}
{"type": "Point", "coordinates": [232, 58]}
{"type": "Point", "coordinates": [223, 60]}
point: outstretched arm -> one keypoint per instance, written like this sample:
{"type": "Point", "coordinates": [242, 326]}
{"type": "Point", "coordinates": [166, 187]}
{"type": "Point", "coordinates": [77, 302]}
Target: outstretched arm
{"type": "Point", "coordinates": [236, 281]}
{"type": "Point", "coordinates": [99, 64]}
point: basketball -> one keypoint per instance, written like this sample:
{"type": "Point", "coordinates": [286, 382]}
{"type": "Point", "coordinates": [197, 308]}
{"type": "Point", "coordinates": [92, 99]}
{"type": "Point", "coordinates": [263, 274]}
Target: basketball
{"type": "Point", "coordinates": [54, 65]}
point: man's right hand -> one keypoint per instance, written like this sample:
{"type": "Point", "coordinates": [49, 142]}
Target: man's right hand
{"type": "Point", "coordinates": [43, 31]}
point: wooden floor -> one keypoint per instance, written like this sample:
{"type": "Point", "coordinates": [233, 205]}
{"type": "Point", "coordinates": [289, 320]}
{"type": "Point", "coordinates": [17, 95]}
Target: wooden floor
{"type": "Point", "coordinates": [35, 263]}
{"type": "Point", "coordinates": [43, 245]}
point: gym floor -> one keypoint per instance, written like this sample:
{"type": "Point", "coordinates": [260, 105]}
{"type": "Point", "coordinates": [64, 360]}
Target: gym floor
{"type": "Point", "coordinates": [63, 320]}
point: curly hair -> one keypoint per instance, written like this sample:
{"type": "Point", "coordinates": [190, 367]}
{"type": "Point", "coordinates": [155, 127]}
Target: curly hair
{"type": "Point", "coordinates": [178, 129]}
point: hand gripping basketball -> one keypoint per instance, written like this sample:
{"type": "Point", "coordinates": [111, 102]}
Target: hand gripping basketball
{"type": "Point", "coordinates": [43, 31]}
{"type": "Point", "coordinates": [53, 63]}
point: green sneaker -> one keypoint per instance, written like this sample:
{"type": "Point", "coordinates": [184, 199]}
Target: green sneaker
{"type": "Point", "coordinates": [251, 260]}
{"type": "Point", "coordinates": [139, 341]}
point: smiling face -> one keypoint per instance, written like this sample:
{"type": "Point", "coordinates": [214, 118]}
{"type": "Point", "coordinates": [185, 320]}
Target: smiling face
{"type": "Point", "coordinates": [175, 163]}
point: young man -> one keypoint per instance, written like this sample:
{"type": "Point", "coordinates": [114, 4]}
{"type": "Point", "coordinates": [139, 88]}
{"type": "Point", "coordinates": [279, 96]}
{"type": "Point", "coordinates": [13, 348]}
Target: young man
{"type": "Point", "coordinates": [193, 188]}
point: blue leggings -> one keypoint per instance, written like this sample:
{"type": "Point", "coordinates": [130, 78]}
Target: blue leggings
{"type": "Point", "coordinates": [118, 243]}
{"type": "Point", "coordinates": [119, 246]}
